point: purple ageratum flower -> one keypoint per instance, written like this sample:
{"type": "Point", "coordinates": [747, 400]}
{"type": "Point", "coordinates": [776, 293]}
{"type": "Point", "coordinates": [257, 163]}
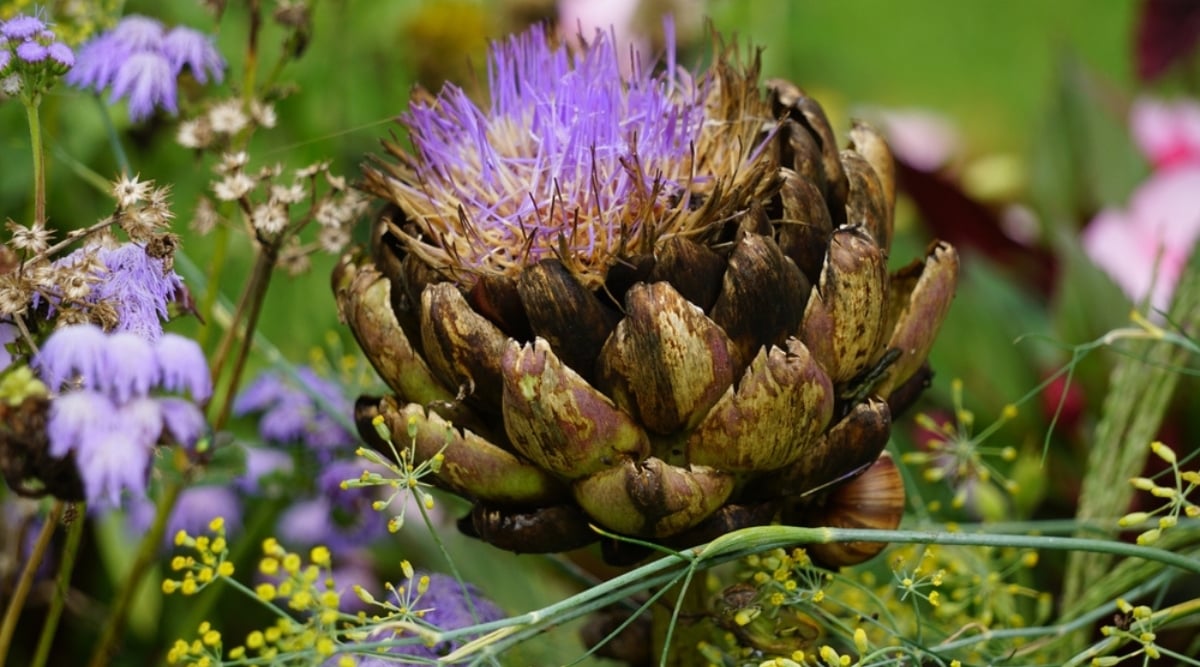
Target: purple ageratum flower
{"type": "Point", "coordinates": [195, 50]}
{"type": "Point", "coordinates": [291, 413]}
{"type": "Point", "coordinates": [569, 151]}
{"type": "Point", "coordinates": [108, 414]}
{"type": "Point", "coordinates": [147, 80]}
{"type": "Point", "coordinates": [138, 285]}
{"type": "Point", "coordinates": [338, 518]}
{"type": "Point", "coordinates": [140, 60]}
{"type": "Point", "coordinates": [22, 27]}
{"type": "Point", "coordinates": [32, 52]}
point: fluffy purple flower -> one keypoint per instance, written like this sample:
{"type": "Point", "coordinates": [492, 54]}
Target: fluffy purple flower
{"type": "Point", "coordinates": [292, 413]}
{"type": "Point", "coordinates": [108, 412]}
{"type": "Point", "coordinates": [195, 50]}
{"type": "Point", "coordinates": [147, 80]}
{"type": "Point", "coordinates": [141, 61]}
{"type": "Point", "coordinates": [8, 334]}
{"type": "Point", "coordinates": [199, 505]}
{"type": "Point", "coordinates": [61, 54]}
{"type": "Point", "coordinates": [138, 285]}
{"type": "Point", "coordinates": [22, 27]}
{"type": "Point", "coordinates": [31, 52]}
{"type": "Point", "coordinates": [338, 518]}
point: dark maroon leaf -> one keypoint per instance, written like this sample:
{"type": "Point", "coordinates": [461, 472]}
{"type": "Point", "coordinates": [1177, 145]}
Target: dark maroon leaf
{"type": "Point", "coordinates": [1167, 32]}
{"type": "Point", "coordinates": [970, 225]}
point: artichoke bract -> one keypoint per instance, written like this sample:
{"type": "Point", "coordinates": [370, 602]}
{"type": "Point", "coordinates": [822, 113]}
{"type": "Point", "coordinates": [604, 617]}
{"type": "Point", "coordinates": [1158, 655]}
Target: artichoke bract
{"type": "Point", "coordinates": [658, 304]}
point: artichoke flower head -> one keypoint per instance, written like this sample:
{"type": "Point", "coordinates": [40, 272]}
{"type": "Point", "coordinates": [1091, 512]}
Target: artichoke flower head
{"type": "Point", "coordinates": [656, 303]}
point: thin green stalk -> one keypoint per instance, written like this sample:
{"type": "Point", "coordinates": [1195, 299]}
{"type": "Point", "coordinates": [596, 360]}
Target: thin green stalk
{"type": "Point", "coordinates": [1140, 392]}
{"type": "Point", "coordinates": [114, 141]}
{"type": "Point", "coordinates": [256, 289]}
{"type": "Point", "coordinates": [17, 602]}
{"type": "Point", "coordinates": [32, 103]}
{"type": "Point", "coordinates": [114, 626]}
{"type": "Point", "coordinates": [62, 586]}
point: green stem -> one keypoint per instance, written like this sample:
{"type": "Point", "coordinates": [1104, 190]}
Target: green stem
{"type": "Point", "coordinates": [17, 602]}
{"type": "Point", "coordinates": [212, 294]}
{"type": "Point", "coordinates": [1140, 392]}
{"type": "Point", "coordinates": [114, 140]}
{"type": "Point", "coordinates": [39, 159]}
{"type": "Point", "coordinates": [114, 626]}
{"type": "Point", "coordinates": [256, 291]}
{"type": "Point", "coordinates": [62, 586]}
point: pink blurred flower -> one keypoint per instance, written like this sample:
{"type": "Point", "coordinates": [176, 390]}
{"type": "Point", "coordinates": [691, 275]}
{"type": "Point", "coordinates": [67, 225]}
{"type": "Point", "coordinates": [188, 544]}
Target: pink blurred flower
{"type": "Point", "coordinates": [925, 140]}
{"type": "Point", "coordinates": [1144, 247]}
{"type": "Point", "coordinates": [580, 19]}
{"type": "Point", "coordinates": [1167, 132]}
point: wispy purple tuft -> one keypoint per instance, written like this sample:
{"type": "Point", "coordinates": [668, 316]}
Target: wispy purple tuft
{"type": "Point", "coordinates": [140, 60]}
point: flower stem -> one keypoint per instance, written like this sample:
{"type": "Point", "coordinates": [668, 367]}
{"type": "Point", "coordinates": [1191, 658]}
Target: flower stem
{"type": "Point", "coordinates": [62, 586]}
{"type": "Point", "coordinates": [255, 295]}
{"type": "Point", "coordinates": [114, 626]}
{"type": "Point", "coordinates": [17, 602]}
{"type": "Point", "coordinates": [32, 102]}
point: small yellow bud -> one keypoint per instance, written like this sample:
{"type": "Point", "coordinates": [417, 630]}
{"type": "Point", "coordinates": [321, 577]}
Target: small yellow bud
{"type": "Point", "coordinates": [254, 640]}
{"type": "Point", "coordinates": [1142, 483]}
{"type": "Point", "coordinates": [1163, 452]}
{"type": "Point", "coordinates": [1107, 661]}
{"type": "Point", "coordinates": [266, 591]}
{"type": "Point", "coordinates": [935, 598]}
{"type": "Point", "coordinates": [169, 586]}
{"type": "Point", "coordinates": [269, 566]}
{"type": "Point", "coordinates": [1132, 519]}
{"type": "Point", "coordinates": [1009, 412]}
{"type": "Point", "coordinates": [237, 653]}
{"type": "Point", "coordinates": [212, 638]}
{"type": "Point", "coordinates": [1167, 522]}
{"type": "Point", "coordinates": [225, 569]}
{"type": "Point", "coordinates": [188, 586]}
{"type": "Point", "coordinates": [860, 640]}
{"type": "Point", "coordinates": [181, 538]}
{"type": "Point", "coordinates": [319, 556]}
{"type": "Point", "coordinates": [178, 563]}
{"type": "Point", "coordinates": [217, 524]}
{"type": "Point", "coordinates": [1149, 537]}
{"type": "Point", "coordinates": [291, 563]}
{"type": "Point", "coordinates": [218, 545]}
{"type": "Point", "coordinates": [325, 647]}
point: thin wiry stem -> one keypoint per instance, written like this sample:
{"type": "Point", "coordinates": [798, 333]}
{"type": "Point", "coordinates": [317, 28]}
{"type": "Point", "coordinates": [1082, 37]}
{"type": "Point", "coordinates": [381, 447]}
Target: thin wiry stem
{"type": "Point", "coordinates": [17, 602]}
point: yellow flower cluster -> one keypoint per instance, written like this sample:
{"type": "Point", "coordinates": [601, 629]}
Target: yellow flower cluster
{"type": "Point", "coordinates": [204, 651]}
{"type": "Point", "coordinates": [405, 477]}
{"type": "Point", "coordinates": [1135, 625]}
{"type": "Point", "coordinates": [307, 588]}
{"type": "Point", "coordinates": [207, 565]}
{"type": "Point", "coordinates": [1175, 494]}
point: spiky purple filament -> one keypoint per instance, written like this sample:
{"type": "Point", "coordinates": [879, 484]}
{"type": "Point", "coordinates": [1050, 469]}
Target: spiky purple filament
{"type": "Point", "coordinates": [568, 158]}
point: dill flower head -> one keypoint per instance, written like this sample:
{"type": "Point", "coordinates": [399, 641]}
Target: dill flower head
{"type": "Point", "coordinates": [569, 159]}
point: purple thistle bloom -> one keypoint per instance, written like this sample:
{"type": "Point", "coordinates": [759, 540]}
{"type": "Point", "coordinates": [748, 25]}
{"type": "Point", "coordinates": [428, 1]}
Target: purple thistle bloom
{"type": "Point", "coordinates": [147, 80]}
{"type": "Point", "coordinates": [568, 152]}
{"type": "Point", "coordinates": [196, 50]}
{"type": "Point", "coordinates": [21, 26]}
